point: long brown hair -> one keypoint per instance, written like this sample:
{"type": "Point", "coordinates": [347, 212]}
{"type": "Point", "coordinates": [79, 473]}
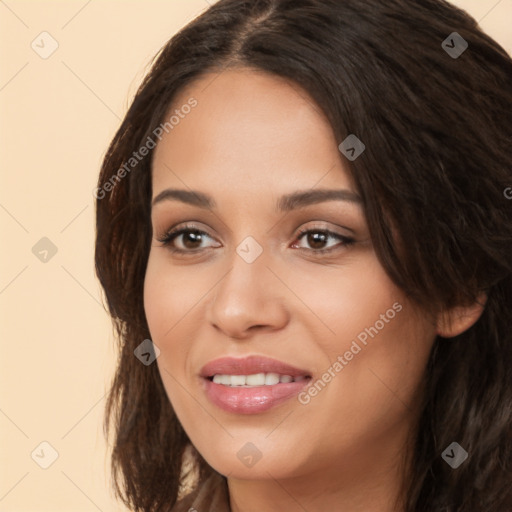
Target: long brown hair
{"type": "Point", "coordinates": [435, 181]}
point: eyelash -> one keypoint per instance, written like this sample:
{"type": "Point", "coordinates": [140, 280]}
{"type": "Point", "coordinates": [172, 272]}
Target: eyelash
{"type": "Point", "coordinates": [172, 234]}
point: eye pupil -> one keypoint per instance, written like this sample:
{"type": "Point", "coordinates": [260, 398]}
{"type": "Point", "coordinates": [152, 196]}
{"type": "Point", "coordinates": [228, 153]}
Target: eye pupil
{"type": "Point", "coordinates": [315, 238]}
{"type": "Point", "coordinates": [193, 236]}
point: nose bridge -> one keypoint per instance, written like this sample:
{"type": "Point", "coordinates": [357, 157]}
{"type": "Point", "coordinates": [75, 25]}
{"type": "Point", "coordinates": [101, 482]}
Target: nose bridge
{"type": "Point", "coordinates": [248, 295]}
{"type": "Point", "coordinates": [246, 283]}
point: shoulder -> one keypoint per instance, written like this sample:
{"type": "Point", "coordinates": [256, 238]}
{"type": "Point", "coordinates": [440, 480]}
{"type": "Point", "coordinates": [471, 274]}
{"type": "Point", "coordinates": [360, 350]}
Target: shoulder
{"type": "Point", "coordinates": [211, 495]}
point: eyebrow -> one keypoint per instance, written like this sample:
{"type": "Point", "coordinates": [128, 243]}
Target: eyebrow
{"type": "Point", "coordinates": [285, 203]}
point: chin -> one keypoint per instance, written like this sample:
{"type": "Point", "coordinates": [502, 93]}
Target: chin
{"type": "Point", "coordinates": [246, 461]}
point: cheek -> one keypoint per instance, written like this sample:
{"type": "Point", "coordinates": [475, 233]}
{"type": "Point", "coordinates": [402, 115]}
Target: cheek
{"type": "Point", "coordinates": [344, 301]}
{"type": "Point", "coordinates": [380, 382]}
{"type": "Point", "coordinates": [167, 299]}
{"type": "Point", "coordinates": [158, 299]}
{"type": "Point", "coordinates": [383, 340]}
{"type": "Point", "coordinates": [173, 298]}
{"type": "Point", "coordinates": [170, 294]}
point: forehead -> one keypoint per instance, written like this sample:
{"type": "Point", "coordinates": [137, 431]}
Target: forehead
{"type": "Point", "coordinates": [247, 131]}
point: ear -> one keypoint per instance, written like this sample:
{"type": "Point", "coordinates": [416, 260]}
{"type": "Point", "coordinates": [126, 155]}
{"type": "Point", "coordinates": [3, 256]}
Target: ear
{"type": "Point", "coordinates": [455, 321]}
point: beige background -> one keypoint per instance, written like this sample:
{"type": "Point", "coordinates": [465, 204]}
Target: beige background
{"type": "Point", "coordinates": [57, 116]}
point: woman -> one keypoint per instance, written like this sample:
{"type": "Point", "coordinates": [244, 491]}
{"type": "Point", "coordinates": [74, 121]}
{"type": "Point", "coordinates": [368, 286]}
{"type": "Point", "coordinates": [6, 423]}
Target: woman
{"type": "Point", "coordinates": [304, 238]}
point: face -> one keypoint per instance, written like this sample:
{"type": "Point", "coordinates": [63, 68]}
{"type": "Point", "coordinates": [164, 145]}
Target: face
{"type": "Point", "coordinates": [262, 265]}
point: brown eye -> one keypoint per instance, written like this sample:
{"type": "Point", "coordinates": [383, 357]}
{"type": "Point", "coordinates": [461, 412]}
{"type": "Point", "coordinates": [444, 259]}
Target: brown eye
{"type": "Point", "coordinates": [317, 239]}
{"type": "Point", "coordinates": [185, 239]}
{"type": "Point", "coordinates": [190, 239]}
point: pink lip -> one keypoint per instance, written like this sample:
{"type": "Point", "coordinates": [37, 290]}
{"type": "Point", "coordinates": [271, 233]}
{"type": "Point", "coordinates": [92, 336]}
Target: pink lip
{"type": "Point", "coordinates": [250, 400]}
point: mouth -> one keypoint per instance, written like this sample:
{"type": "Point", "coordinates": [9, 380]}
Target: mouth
{"type": "Point", "coordinates": [251, 385]}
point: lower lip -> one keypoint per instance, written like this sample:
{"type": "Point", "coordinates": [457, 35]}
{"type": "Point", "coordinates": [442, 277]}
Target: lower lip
{"type": "Point", "coordinates": [253, 400]}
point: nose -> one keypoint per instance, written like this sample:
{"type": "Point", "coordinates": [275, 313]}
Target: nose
{"type": "Point", "coordinates": [247, 299]}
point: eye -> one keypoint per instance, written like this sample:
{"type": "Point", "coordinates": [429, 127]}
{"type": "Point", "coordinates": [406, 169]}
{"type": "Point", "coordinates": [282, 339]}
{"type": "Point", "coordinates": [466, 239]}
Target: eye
{"type": "Point", "coordinates": [317, 238]}
{"type": "Point", "coordinates": [187, 238]}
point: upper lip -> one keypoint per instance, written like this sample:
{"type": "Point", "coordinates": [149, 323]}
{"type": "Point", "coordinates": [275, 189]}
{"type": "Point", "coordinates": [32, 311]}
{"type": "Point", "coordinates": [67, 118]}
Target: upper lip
{"type": "Point", "coordinates": [249, 366]}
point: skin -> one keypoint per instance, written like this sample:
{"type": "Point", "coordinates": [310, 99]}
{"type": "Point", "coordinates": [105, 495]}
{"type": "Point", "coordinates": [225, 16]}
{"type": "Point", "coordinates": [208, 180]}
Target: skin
{"type": "Point", "coordinates": [252, 138]}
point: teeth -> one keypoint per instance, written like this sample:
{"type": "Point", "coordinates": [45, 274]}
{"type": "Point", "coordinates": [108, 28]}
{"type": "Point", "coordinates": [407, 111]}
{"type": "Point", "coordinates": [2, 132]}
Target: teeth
{"type": "Point", "coordinates": [237, 380]}
{"type": "Point", "coordinates": [271, 379]}
{"type": "Point", "coordinates": [256, 379]}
